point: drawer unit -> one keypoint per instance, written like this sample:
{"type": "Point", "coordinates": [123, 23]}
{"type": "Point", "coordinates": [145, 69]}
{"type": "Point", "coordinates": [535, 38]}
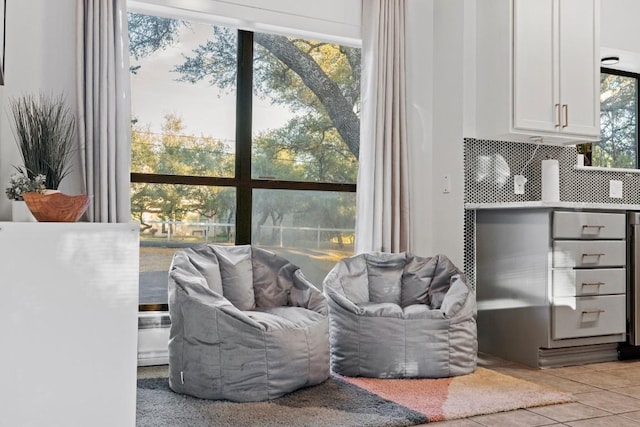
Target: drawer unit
{"type": "Point", "coordinates": [588, 274]}
{"type": "Point", "coordinates": [589, 253]}
{"type": "Point", "coordinates": [588, 225]}
{"type": "Point", "coordinates": [551, 284]}
{"type": "Point", "coordinates": [598, 281]}
{"type": "Point", "coordinates": [588, 316]}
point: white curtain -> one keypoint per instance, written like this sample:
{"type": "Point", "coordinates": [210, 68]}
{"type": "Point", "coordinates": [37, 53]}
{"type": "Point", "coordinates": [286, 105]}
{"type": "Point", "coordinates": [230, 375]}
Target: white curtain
{"type": "Point", "coordinates": [105, 110]}
{"type": "Point", "coordinates": [383, 211]}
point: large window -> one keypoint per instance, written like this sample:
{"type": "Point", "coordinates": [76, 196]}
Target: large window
{"type": "Point", "coordinates": [241, 137]}
{"type": "Point", "coordinates": [618, 146]}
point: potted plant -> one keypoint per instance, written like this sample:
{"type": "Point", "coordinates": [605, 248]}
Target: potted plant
{"type": "Point", "coordinates": [19, 184]}
{"type": "Point", "coordinates": [44, 127]}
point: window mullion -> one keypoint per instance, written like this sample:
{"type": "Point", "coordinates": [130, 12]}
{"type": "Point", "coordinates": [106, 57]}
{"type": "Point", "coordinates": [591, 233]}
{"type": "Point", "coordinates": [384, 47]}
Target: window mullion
{"type": "Point", "coordinates": [243, 137]}
{"type": "Point", "coordinates": [637, 133]}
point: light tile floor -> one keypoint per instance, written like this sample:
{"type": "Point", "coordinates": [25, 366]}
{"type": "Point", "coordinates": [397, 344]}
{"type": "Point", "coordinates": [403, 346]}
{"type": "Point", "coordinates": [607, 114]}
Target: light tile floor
{"type": "Point", "coordinates": [607, 394]}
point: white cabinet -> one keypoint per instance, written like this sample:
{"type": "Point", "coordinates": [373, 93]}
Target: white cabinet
{"type": "Point", "coordinates": [538, 70]}
{"type": "Point", "coordinates": [69, 324]}
{"type": "Point", "coordinates": [551, 285]}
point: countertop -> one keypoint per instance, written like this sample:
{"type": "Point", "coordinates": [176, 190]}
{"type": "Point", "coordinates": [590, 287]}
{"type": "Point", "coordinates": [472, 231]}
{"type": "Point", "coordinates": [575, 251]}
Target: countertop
{"type": "Point", "coordinates": [563, 205]}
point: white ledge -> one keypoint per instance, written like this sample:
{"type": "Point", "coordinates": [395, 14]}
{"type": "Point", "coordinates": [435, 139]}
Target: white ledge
{"type": "Point", "coordinates": [603, 169]}
{"type": "Point", "coordinates": [537, 204]}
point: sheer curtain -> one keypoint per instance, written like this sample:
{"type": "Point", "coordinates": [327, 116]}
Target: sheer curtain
{"type": "Point", "coordinates": [383, 211]}
{"type": "Point", "coordinates": [105, 110]}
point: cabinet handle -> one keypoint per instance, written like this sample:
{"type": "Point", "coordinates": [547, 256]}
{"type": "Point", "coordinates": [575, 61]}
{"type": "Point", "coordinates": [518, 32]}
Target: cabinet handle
{"type": "Point", "coordinates": [586, 255]}
{"type": "Point", "coordinates": [565, 107]}
{"type": "Point", "coordinates": [593, 284]}
{"type": "Point", "coordinates": [599, 227]}
{"type": "Point", "coordinates": [597, 311]}
{"type": "Point", "coordinates": [558, 116]}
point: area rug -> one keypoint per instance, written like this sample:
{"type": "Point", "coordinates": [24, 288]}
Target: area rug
{"type": "Point", "coordinates": [345, 402]}
{"type": "Point", "coordinates": [483, 392]}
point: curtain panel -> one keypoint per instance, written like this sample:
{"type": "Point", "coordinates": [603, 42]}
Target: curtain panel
{"type": "Point", "coordinates": [105, 108]}
{"type": "Point", "coordinates": [383, 205]}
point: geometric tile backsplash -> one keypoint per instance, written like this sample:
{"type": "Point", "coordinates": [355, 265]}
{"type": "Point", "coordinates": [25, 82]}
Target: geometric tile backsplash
{"type": "Point", "coordinates": [489, 168]}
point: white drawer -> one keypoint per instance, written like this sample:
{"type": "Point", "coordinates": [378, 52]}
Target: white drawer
{"type": "Point", "coordinates": [575, 317]}
{"type": "Point", "coordinates": [589, 253]}
{"type": "Point", "coordinates": [599, 281]}
{"type": "Point", "coordinates": [588, 225]}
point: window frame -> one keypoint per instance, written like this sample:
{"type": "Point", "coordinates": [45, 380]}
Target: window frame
{"type": "Point", "coordinates": [636, 76]}
{"type": "Point", "coordinates": [243, 181]}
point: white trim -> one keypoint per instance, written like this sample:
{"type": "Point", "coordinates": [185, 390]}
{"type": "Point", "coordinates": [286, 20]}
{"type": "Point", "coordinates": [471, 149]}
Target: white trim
{"type": "Point", "coordinates": [153, 345]}
{"type": "Point", "coordinates": [604, 169]}
{"type": "Point", "coordinates": [251, 18]}
{"type": "Point", "coordinates": [537, 204]}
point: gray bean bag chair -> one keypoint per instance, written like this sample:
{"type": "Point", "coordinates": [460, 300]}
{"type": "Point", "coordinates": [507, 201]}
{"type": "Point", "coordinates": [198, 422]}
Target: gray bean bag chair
{"type": "Point", "coordinates": [245, 325]}
{"type": "Point", "coordinates": [401, 316]}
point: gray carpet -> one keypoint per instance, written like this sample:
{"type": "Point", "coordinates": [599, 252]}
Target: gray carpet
{"type": "Point", "coordinates": [333, 403]}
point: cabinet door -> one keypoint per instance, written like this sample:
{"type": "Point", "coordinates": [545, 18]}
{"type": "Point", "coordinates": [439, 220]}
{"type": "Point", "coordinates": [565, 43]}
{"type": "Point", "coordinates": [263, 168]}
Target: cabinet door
{"type": "Point", "coordinates": [579, 66]}
{"type": "Point", "coordinates": [535, 81]}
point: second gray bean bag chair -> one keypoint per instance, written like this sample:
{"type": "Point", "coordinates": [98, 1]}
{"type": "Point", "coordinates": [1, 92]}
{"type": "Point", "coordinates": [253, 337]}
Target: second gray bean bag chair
{"type": "Point", "coordinates": [245, 325]}
{"type": "Point", "coordinates": [400, 316]}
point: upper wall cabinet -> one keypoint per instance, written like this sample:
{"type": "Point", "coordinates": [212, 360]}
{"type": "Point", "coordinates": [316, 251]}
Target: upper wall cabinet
{"type": "Point", "coordinates": [538, 70]}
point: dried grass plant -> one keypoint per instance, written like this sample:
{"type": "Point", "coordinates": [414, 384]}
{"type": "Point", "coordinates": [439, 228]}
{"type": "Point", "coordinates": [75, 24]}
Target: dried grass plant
{"type": "Point", "coordinates": [44, 127]}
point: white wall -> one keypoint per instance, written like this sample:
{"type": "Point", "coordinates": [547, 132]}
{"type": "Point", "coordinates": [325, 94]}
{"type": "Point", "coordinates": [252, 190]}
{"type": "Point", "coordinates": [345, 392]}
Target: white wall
{"type": "Point", "coordinates": [619, 24]}
{"type": "Point", "coordinates": [452, 23]}
{"type": "Point", "coordinates": [441, 88]}
{"type": "Point", "coordinates": [420, 121]}
{"type": "Point", "coordinates": [620, 33]}
{"type": "Point", "coordinates": [40, 56]}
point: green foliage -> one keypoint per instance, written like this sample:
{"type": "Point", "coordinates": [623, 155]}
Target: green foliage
{"type": "Point", "coordinates": [20, 183]}
{"type": "Point", "coordinates": [318, 82]}
{"type": "Point", "coordinates": [44, 127]}
{"type": "Point", "coordinates": [618, 123]}
{"type": "Point", "coordinates": [173, 152]}
{"type": "Point", "coordinates": [307, 148]}
{"type": "Point", "coordinates": [215, 61]}
{"type": "Point", "coordinates": [148, 34]}
{"type": "Point", "coordinates": [306, 90]}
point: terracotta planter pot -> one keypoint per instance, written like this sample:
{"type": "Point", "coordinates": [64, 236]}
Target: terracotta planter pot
{"type": "Point", "coordinates": [57, 207]}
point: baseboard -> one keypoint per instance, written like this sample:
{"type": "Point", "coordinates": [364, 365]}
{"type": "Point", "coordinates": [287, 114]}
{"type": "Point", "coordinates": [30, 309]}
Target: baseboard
{"type": "Point", "coordinates": [153, 338]}
{"type": "Point", "coordinates": [580, 355]}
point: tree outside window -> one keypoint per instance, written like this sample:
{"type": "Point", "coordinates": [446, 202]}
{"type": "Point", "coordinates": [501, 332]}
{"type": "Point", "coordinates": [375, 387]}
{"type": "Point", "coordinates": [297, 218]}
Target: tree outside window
{"type": "Point", "coordinates": [618, 146]}
{"type": "Point", "coordinates": [303, 150]}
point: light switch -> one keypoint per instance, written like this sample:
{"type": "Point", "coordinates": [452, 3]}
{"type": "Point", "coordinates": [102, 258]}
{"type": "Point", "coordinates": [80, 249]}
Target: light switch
{"type": "Point", "coordinates": [446, 184]}
{"type": "Point", "coordinates": [615, 189]}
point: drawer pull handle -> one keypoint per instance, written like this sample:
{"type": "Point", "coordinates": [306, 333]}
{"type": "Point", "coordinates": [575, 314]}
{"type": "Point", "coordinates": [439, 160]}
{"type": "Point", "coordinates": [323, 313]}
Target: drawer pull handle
{"type": "Point", "coordinates": [585, 312]}
{"type": "Point", "coordinates": [593, 284]}
{"type": "Point", "coordinates": [599, 227]}
{"type": "Point", "coordinates": [594, 255]}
